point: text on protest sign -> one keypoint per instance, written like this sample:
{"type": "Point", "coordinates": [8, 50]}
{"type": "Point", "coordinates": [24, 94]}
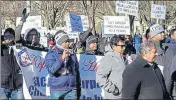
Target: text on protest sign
{"type": "Point", "coordinates": [102, 31]}
{"type": "Point", "coordinates": [158, 11]}
{"type": "Point", "coordinates": [85, 22]}
{"type": "Point", "coordinates": [127, 7]}
{"type": "Point", "coordinates": [44, 41]}
{"type": "Point", "coordinates": [116, 25]}
{"type": "Point", "coordinates": [76, 23]}
{"type": "Point", "coordinates": [74, 34]}
{"type": "Point", "coordinates": [31, 22]}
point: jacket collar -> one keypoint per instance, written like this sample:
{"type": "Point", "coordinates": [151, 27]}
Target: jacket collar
{"type": "Point", "coordinates": [141, 62]}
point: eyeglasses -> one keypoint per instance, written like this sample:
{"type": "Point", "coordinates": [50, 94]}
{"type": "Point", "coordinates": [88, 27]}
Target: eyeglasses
{"type": "Point", "coordinates": [121, 45]}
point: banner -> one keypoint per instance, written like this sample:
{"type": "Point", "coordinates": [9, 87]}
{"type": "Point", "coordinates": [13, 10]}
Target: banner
{"type": "Point", "coordinates": [127, 7]}
{"type": "Point", "coordinates": [35, 74]}
{"type": "Point", "coordinates": [116, 25]}
{"type": "Point", "coordinates": [88, 65]}
{"type": "Point", "coordinates": [31, 22]}
{"type": "Point", "coordinates": [158, 11]}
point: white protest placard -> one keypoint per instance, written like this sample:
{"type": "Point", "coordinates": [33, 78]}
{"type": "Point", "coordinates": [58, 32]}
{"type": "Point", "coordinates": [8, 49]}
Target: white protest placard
{"type": "Point", "coordinates": [127, 7]}
{"type": "Point", "coordinates": [31, 22]}
{"type": "Point", "coordinates": [158, 11]}
{"type": "Point", "coordinates": [85, 22]}
{"type": "Point", "coordinates": [44, 41]}
{"type": "Point", "coordinates": [105, 35]}
{"type": "Point", "coordinates": [2, 31]}
{"type": "Point", "coordinates": [116, 25]}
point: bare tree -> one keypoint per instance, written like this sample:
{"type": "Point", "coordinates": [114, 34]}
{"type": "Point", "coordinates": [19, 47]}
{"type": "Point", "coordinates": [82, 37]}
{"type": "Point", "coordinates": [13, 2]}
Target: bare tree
{"type": "Point", "coordinates": [52, 11]}
{"type": "Point", "coordinates": [10, 10]}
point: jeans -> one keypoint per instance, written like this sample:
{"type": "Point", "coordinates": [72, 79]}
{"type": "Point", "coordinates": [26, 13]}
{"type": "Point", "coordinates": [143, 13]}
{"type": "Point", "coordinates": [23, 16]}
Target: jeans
{"type": "Point", "coordinates": [62, 95]}
{"type": "Point", "coordinates": [12, 94]}
{"type": "Point", "coordinates": [137, 47]}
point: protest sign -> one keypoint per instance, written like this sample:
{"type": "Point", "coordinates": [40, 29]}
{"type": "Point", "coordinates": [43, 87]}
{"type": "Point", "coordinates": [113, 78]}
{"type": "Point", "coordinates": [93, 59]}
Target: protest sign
{"type": "Point", "coordinates": [85, 22]}
{"type": "Point", "coordinates": [75, 34]}
{"type": "Point", "coordinates": [76, 23]}
{"type": "Point", "coordinates": [44, 41]}
{"type": "Point", "coordinates": [158, 11]}
{"type": "Point", "coordinates": [31, 22]}
{"type": "Point", "coordinates": [102, 31]}
{"type": "Point", "coordinates": [116, 25]}
{"type": "Point", "coordinates": [127, 7]}
{"type": "Point", "coordinates": [2, 31]}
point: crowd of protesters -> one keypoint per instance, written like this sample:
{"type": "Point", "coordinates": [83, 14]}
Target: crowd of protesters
{"type": "Point", "coordinates": [138, 67]}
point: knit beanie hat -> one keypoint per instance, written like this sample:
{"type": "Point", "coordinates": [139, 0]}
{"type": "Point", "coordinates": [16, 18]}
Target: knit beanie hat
{"type": "Point", "coordinates": [60, 37]}
{"type": "Point", "coordinates": [156, 29]}
{"type": "Point", "coordinates": [91, 39]}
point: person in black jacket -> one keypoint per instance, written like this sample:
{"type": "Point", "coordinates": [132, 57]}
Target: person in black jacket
{"type": "Point", "coordinates": [92, 46]}
{"type": "Point", "coordinates": [142, 79]}
{"type": "Point", "coordinates": [31, 37]}
{"type": "Point", "coordinates": [11, 76]}
{"type": "Point", "coordinates": [85, 41]}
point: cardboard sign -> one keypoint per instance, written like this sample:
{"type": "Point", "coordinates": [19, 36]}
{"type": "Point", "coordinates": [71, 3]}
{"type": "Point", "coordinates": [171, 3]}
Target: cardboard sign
{"type": "Point", "coordinates": [105, 35]}
{"type": "Point", "coordinates": [44, 41]}
{"type": "Point", "coordinates": [76, 23]}
{"type": "Point", "coordinates": [85, 22]}
{"type": "Point", "coordinates": [31, 22]}
{"type": "Point", "coordinates": [158, 11]}
{"type": "Point", "coordinates": [116, 25]}
{"type": "Point", "coordinates": [127, 7]}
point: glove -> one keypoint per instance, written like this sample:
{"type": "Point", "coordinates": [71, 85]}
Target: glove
{"type": "Point", "coordinates": [24, 15]}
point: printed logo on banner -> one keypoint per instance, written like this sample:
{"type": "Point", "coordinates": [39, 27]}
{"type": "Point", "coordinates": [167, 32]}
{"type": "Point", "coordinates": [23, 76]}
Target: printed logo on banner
{"type": "Point", "coordinates": [24, 58]}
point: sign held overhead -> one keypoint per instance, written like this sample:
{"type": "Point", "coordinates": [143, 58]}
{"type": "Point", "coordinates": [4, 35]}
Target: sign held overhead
{"type": "Point", "coordinates": [116, 25]}
{"type": "Point", "coordinates": [127, 7]}
{"type": "Point", "coordinates": [76, 23]}
{"type": "Point", "coordinates": [158, 11]}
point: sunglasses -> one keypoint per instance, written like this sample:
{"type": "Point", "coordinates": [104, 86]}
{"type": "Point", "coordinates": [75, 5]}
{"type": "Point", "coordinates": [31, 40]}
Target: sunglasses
{"type": "Point", "coordinates": [8, 37]}
{"type": "Point", "coordinates": [67, 41]}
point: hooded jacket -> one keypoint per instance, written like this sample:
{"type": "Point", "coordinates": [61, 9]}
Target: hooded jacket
{"type": "Point", "coordinates": [109, 74]}
{"type": "Point", "coordinates": [54, 65]}
{"type": "Point", "coordinates": [22, 41]}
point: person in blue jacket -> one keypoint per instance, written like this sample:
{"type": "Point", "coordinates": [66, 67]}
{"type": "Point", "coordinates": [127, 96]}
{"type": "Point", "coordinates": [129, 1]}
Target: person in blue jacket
{"type": "Point", "coordinates": [62, 66]}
